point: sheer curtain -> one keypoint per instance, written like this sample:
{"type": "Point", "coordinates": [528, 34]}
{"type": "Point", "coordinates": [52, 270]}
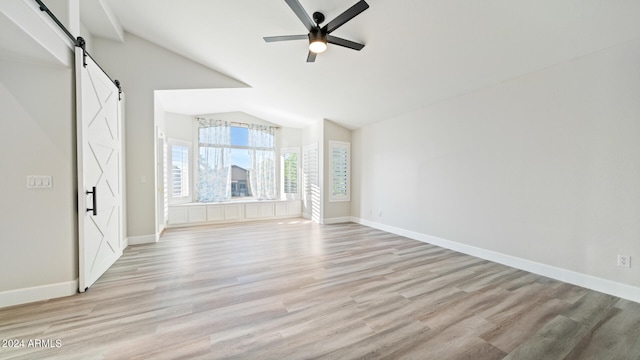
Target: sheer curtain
{"type": "Point", "coordinates": [214, 164]}
{"type": "Point", "coordinates": [262, 173]}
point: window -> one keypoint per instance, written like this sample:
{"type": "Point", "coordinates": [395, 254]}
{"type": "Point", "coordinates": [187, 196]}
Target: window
{"type": "Point", "coordinates": [179, 179]}
{"type": "Point", "coordinates": [235, 161]}
{"type": "Point", "coordinates": [290, 165]}
{"type": "Point", "coordinates": [262, 171]}
{"type": "Point", "coordinates": [339, 157]}
{"type": "Point", "coordinates": [240, 162]}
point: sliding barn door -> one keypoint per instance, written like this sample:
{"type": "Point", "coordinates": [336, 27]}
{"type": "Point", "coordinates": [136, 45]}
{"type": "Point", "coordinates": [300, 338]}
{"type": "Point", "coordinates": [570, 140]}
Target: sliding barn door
{"type": "Point", "coordinates": [100, 164]}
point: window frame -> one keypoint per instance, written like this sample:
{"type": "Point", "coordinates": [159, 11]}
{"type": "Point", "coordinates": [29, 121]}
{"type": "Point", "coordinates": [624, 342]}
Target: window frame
{"type": "Point", "coordinates": [345, 148]}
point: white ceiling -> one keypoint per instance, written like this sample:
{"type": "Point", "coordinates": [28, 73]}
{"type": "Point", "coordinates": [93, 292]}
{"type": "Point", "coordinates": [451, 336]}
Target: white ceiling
{"type": "Point", "coordinates": [417, 51]}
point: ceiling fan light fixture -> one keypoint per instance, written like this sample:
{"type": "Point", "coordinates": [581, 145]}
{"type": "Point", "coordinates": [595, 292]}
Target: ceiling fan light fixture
{"type": "Point", "coordinates": [318, 45]}
{"type": "Point", "coordinates": [317, 41]}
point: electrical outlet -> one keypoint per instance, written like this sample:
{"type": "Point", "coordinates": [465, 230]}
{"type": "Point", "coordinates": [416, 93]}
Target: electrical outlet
{"type": "Point", "coordinates": [624, 261]}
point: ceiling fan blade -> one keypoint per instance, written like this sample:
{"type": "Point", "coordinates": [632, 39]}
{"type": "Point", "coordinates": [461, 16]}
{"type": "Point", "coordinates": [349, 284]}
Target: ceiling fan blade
{"type": "Point", "coordinates": [349, 14]}
{"type": "Point", "coordinates": [285, 38]}
{"type": "Point", "coordinates": [311, 57]}
{"type": "Point", "coordinates": [301, 13]}
{"type": "Point", "coordinates": [344, 42]}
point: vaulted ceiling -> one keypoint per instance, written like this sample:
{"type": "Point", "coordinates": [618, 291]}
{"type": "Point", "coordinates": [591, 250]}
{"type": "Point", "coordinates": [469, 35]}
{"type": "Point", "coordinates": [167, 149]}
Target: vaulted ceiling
{"type": "Point", "coordinates": [417, 51]}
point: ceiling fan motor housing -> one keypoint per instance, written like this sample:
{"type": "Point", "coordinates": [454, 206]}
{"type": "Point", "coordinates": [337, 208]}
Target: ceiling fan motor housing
{"type": "Point", "coordinates": [317, 34]}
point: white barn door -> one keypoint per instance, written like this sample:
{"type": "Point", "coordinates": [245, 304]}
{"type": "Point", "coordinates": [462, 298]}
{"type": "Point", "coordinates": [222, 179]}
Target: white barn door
{"type": "Point", "coordinates": [99, 136]}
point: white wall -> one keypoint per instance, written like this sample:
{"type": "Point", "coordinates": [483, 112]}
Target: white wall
{"type": "Point", "coordinates": [290, 138]}
{"type": "Point", "coordinates": [143, 67]}
{"type": "Point", "coordinates": [67, 12]}
{"type": "Point", "coordinates": [88, 38]}
{"type": "Point", "coordinates": [179, 127]}
{"type": "Point", "coordinates": [38, 227]}
{"type": "Point", "coordinates": [545, 167]}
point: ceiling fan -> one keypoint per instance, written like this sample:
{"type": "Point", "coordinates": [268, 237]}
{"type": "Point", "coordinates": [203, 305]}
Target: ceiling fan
{"type": "Point", "coordinates": [319, 36]}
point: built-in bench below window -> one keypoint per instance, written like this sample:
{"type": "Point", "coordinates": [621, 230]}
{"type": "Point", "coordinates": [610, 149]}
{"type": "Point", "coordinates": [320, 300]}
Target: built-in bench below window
{"type": "Point", "coordinates": [233, 211]}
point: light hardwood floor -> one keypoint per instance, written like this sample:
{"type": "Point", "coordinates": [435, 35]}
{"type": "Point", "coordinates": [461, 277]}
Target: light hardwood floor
{"type": "Point", "coordinates": [292, 289]}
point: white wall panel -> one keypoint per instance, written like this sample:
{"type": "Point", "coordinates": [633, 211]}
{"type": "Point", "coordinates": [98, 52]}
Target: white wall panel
{"type": "Point", "coordinates": [233, 212]}
{"type": "Point", "coordinates": [251, 211]}
{"type": "Point", "coordinates": [215, 213]}
{"type": "Point", "coordinates": [281, 209]}
{"type": "Point", "coordinates": [178, 215]}
{"type": "Point", "coordinates": [190, 214]}
{"type": "Point", "coordinates": [197, 214]}
{"type": "Point", "coordinates": [266, 210]}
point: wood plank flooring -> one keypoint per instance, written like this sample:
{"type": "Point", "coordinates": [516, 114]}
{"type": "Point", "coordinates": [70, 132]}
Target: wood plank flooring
{"type": "Point", "coordinates": [293, 289]}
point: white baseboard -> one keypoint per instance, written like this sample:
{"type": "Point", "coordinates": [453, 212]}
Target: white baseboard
{"type": "Point", "coordinates": [572, 277]}
{"type": "Point", "coordinates": [144, 239]}
{"type": "Point", "coordinates": [337, 220]}
{"type": "Point", "coordinates": [38, 293]}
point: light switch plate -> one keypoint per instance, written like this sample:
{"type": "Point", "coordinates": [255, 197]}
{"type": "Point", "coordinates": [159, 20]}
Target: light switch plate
{"type": "Point", "coordinates": [39, 181]}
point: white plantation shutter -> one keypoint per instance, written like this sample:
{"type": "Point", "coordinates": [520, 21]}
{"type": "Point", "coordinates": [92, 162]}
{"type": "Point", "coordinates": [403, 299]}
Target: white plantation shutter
{"type": "Point", "coordinates": [310, 183]}
{"type": "Point", "coordinates": [339, 156]}
{"type": "Point", "coordinates": [290, 170]}
{"type": "Point", "coordinates": [310, 168]}
{"type": "Point", "coordinates": [179, 171]}
{"type": "Point", "coordinates": [165, 178]}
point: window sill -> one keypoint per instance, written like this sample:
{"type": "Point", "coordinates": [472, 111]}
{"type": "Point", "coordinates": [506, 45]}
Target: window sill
{"type": "Point", "coordinates": [234, 201]}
